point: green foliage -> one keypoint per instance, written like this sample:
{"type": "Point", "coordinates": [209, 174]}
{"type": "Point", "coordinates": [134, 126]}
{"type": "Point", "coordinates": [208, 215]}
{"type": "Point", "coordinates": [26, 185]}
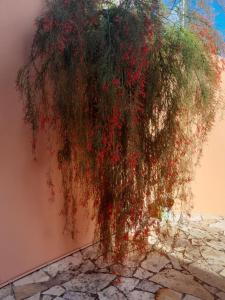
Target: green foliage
{"type": "Point", "coordinates": [131, 100]}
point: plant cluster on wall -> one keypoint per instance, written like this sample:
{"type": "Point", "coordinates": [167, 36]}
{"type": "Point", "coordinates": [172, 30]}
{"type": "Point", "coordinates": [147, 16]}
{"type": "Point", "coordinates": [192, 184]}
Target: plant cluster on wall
{"type": "Point", "coordinates": [130, 98]}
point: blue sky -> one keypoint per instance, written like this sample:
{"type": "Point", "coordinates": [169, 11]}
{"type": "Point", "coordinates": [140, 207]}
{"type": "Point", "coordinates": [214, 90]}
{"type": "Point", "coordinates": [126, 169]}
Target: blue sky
{"type": "Point", "coordinates": [219, 17]}
{"type": "Point", "coordinates": [218, 11]}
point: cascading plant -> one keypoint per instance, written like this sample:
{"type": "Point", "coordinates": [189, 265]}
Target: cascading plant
{"type": "Point", "coordinates": [130, 100]}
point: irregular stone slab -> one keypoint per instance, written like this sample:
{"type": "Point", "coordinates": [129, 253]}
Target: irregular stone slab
{"type": "Point", "coordinates": [133, 259]}
{"type": "Point", "coordinates": [189, 297]}
{"type": "Point", "coordinates": [126, 284]}
{"type": "Point", "coordinates": [142, 274]}
{"type": "Point", "coordinates": [139, 295]}
{"type": "Point", "coordinates": [87, 266]}
{"type": "Point", "coordinates": [192, 253]}
{"type": "Point", "coordinates": [219, 225]}
{"type": "Point", "coordinates": [103, 263]}
{"type": "Point", "coordinates": [205, 274]}
{"type": "Point", "coordinates": [69, 262]}
{"type": "Point", "coordinates": [5, 291]}
{"type": "Point", "coordinates": [92, 283]}
{"type": "Point", "coordinates": [167, 294]}
{"type": "Point", "coordinates": [76, 296]}
{"type": "Point", "coordinates": [154, 262]}
{"type": "Point", "coordinates": [175, 262]}
{"type": "Point", "coordinates": [217, 257]}
{"type": "Point", "coordinates": [34, 297]}
{"type": "Point", "coordinates": [36, 277]}
{"type": "Point", "coordinates": [55, 291]}
{"type": "Point", "coordinates": [46, 297]}
{"type": "Point", "coordinates": [211, 217]}
{"type": "Point", "coordinates": [221, 295]}
{"type": "Point", "coordinates": [58, 298]}
{"type": "Point", "coordinates": [222, 273]}
{"type": "Point", "coordinates": [196, 242]}
{"type": "Point", "coordinates": [104, 270]}
{"type": "Point", "coordinates": [91, 252]}
{"type": "Point", "coordinates": [111, 293]}
{"type": "Point", "coordinates": [196, 217]}
{"type": "Point", "coordinates": [9, 297]}
{"type": "Point", "coordinates": [217, 245]}
{"type": "Point", "coordinates": [148, 286]}
{"type": "Point", "coordinates": [215, 267]}
{"type": "Point", "coordinates": [122, 270]}
{"type": "Point", "coordinates": [182, 242]}
{"type": "Point", "coordinates": [28, 290]}
{"type": "Point", "coordinates": [182, 283]}
{"type": "Point", "coordinates": [213, 290]}
{"type": "Point", "coordinates": [198, 233]}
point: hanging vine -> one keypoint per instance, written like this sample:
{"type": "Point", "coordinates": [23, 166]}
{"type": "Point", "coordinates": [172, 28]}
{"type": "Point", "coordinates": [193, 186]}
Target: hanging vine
{"type": "Point", "coordinates": [131, 99]}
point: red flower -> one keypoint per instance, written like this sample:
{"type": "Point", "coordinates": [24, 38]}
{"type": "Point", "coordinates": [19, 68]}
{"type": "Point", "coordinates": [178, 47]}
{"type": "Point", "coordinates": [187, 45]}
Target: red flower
{"type": "Point", "coordinates": [133, 159]}
{"type": "Point", "coordinates": [68, 27]}
{"type": "Point", "coordinates": [116, 82]}
{"type": "Point", "coordinates": [61, 44]}
{"type": "Point", "coordinates": [105, 87]}
{"type": "Point", "coordinates": [126, 237]}
{"type": "Point", "coordinates": [115, 158]}
{"type": "Point", "coordinates": [48, 24]}
{"type": "Point", "coordinates": [66, 2]}
{"type": "Point", "coordinates": [145, 49]}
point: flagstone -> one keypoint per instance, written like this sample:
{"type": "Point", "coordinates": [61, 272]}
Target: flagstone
{"type": "Point", "coordinates": [92, 283]}
{"type": "Point", "coordinates": [195, 270]}
{"type": "Point", "coordinates": [72, 261]}
{"type": "Point", "coordinates": [121, 270]}
{"type": "Point", "coordinates": [5, 291]}
{"type": "Point", "coordinates": [47, 297]}
{"type": "Point", "coordinates": [100, 262]}
{"type": "Point", "coordinates": [76, 296]}
{"type": "Point", "coordinates": [217, 257]}
{"type": "Point", "coordinates": [10, 297]}
{"type": "Point", "coordinates": [219, 225]}
{"type": "Point", "coordinates": [217, 245]}
{"type": "Point", "coordinates": [205, 274]}
{"type": "Point", "coordinates": [34, 297]}
{"type": "Point", "coordinates": [111, 293]}
{"type": "Point", "coordinates": [54, 291]}
{"type": "Point", "coordinates": [167, 294]}
{"type": "Point", "coordinates": [87, 266]}
{"type": "Point", "coordinates": [189, 297]}
{"type": "Point", "coordinates": [154, 262]}
{"type": "Point", "coordinates": [182, 283]}
{"type": "Point", "coordinates": [142, 274]}
{"type": "Point", "coordinates": [221, 295]}
{"type": "Point", "coordinates": [133, 259]}
{"type": "Point", "coordinates": [36, 277]}
{"type": "Point", "coordinates": [148, 286]}
{"type": "Point", "coordinates": [126, 284]}
{"type": "Point", "coordinates": [91, 252]}
{"type": "Point", "coordinates": [28, 290]}
{"type": "Point", "coordinates": [139, 295]}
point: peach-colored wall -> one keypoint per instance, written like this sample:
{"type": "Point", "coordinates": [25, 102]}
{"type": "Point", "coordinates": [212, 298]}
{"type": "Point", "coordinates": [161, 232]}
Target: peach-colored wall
{"type": "Point", "coordinates": [209, 184]}
{"type": "Point", "coordinates": [30, 225]}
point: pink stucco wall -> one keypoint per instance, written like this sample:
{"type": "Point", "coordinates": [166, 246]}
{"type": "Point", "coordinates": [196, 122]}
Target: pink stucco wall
{"type": "Point", "coordinates": [30, 225]}
{"type": "Point", "coordinates": [209, 183]}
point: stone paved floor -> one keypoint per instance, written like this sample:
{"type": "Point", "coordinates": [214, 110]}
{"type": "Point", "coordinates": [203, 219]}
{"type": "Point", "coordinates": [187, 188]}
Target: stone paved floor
{"type": "Point", "coordinates": [194, 270]}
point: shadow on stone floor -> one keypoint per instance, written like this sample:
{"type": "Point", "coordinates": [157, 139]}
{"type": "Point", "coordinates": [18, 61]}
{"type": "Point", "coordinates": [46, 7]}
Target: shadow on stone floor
{"type": "Point", "coordinates": [193, 269]}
